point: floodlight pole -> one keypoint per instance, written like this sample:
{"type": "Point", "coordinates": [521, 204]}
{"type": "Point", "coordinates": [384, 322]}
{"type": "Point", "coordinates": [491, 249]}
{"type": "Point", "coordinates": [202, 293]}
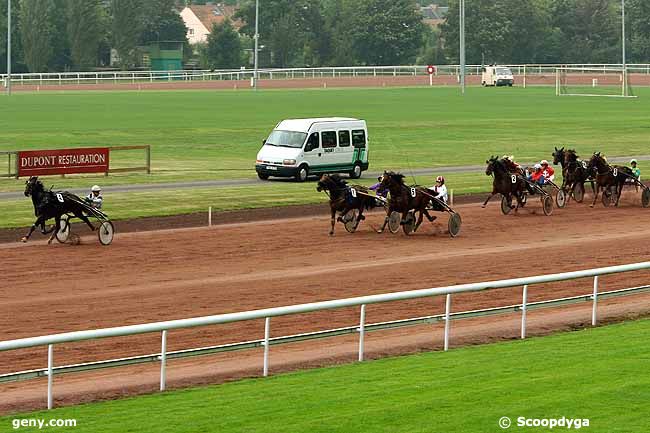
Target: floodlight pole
{"type": "Point", "coordinates": [257, 38]}
{"type": "Point", "coordinates": [625, 90]}
{"type": "Point", "coordinates": [8, 47]}
{"type": "Point", "coordinates": [462, 46]}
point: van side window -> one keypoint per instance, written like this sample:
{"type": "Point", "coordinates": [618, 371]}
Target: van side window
{"type": "Point", "coordinates": [359, 138]}
{"type": "Point", "coordinates": [328, 139]}
{"type": "Point", "coordinates": [312, 142]}
{"type": "Point", "coordinates": [344, 138]}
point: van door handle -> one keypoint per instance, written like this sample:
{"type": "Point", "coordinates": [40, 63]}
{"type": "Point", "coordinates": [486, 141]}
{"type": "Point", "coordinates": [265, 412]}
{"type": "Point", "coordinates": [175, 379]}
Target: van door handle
{"type": "Point", "coordinates": [319, 154]}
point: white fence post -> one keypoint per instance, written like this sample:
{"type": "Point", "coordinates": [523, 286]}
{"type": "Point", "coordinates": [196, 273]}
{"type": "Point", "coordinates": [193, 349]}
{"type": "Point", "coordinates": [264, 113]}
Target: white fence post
{"type": "Point", "coordinates": [209, 216]}
{"type": "Point", "coordinates": [267, 332]}
{"type": "Point", "coordinates": [163, 361]}
{"type": "Point", "coordinates": [362, 331]}
{"type": "Point", "coordinates": [50, 374]}
{"type": "Point", "coordinates": [524, 307]}
{"type": "Point", "coordinates": [447, 320]}
{"type": "Point", "coordinates": [594, 317]}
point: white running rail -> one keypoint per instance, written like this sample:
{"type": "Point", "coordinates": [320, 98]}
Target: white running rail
{"type": "Point", "coordinates": [363, 302]}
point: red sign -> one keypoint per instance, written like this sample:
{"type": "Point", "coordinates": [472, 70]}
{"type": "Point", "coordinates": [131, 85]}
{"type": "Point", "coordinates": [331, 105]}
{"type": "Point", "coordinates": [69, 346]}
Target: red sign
{"type": "Point", "coordinates": [62, 161]}
{"type": "Point", "coordinates": [431, 70]}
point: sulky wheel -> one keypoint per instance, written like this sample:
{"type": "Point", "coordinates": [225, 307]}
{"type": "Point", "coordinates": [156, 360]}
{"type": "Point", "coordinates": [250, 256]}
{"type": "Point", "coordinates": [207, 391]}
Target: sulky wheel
{"type": "Point", "coordinates": [608, 198]}
{"type": "Point", "coordinates": [454, 224]}
{"type": "Point", "coordinates": [645, 197]}
{"type": "Point", "coordinates": [505, 206]}
{"type": "Point", "coordinates": [105, 233]}
{"type": "Point", "coordinates": [560, 199]}
{"type": "Point", "coordinates": [64, 230]}
{"type": "Point", "coordinates": [409, 223]}
{"type": "Point", "coordinates": [394, 220]}
{"type": "Point", "coordinates": [579, 192]}
{"type": "Point", "coordinates": [350, 221]}
{"type": "Point", "coordinates": [547, 205]}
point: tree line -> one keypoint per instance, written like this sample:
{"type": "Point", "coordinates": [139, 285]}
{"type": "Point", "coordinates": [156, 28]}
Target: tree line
{"type": "Point", "coordinates": [58, 35]}
{"type": "Point", "coordinates": [78, 35]}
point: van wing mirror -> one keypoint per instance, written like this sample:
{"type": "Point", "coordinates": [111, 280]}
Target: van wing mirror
{"type": "Point", "coordinates": [263, 142]}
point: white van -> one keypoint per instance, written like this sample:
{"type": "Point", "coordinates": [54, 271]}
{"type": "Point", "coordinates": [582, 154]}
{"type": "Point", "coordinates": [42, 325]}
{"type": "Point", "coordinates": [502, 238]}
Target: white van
{"type": "Point", "coordinates": [301, 147]}
{"type": "Point", "coordinates": [496, 76]}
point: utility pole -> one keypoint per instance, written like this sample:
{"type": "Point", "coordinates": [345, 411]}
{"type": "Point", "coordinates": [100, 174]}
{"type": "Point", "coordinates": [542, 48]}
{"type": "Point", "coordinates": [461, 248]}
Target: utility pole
{"type": "Point", "coordinates": [257, 39]}
{"type": "Point", "coordinates": [8, 47]}
{"type": "Point", "coordinates": [625, 90]}
{"type": "Point", "coordinates": [462, 46]}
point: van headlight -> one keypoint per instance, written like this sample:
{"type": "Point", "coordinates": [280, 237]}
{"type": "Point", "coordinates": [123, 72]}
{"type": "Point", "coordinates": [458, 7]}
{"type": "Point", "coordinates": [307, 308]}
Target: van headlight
{"type": "Point", "coordinates": [289, 162]}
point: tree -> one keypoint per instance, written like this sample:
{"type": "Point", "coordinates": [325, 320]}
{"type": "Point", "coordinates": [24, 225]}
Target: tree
{"type": "Point", "coordinates": [282, 28]}
{"type": "Point", "coordinates": [36, 33]}
{"type": "Point", "coordinates": [638, 17]}
{"type": "Point", "coordinates": [161, 22]}
{"type": "Point", "coordinates": [223, 50]}
{"type": "Point", "coordinates": [386, 32]}
{"type": "Point", "coordinates": [84, 31]}
{"type": "Point", "coordinates": [126, 29]}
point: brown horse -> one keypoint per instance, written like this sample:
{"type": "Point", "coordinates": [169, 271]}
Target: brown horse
{"type": "Point", "coordinates": [608, 176]}
{"type": "Point", "coordinates": [506, 183]}
{"type": "Point", "coordinates": [404, 198]}
{"type": "Point", "coordinates": [574, 171]}
{"type": "Point", "coordinates": [344, 198]}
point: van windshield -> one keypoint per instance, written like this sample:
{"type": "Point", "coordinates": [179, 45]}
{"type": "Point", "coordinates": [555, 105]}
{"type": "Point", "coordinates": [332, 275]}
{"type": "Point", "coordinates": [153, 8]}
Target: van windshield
{"type": "Point", "coordinates": [286, 139]}
{"type": "Point", "coordinates": [504, 71]}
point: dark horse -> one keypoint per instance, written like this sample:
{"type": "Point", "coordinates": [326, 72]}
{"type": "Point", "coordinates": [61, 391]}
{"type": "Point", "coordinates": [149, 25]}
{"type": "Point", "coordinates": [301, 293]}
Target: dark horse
{"type": "Point", "coordinates": [344, 198]}
{"type": "Point", "coordinates": [405, 198]}
{"type": "Point", "coordinates": [608, 176]}
{"type": "Point", "coordinates": [48, 205]}
{"type": "Point", "coordinates": [574, 171]}
{"type": "Point", "coordinates": [506, 183]}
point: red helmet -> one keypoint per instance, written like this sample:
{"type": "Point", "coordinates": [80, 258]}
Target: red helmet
{"type": "Point", "coordinates": [440, 179]}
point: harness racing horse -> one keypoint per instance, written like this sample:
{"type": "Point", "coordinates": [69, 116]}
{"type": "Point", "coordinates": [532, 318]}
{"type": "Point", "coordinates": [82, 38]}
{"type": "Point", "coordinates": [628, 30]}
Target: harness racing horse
{"type": "Point", "coordinates": [404, 198]}
{"type": "Point", "coordinates": [574, 172]}
{"type": "Point", "coordinates": [506, 183]}
{"type": "Point", "coordinates": [344, 198]}
{"type": "Point", "coordinates": [608, 176]}
{"type": "Point", "coordinates": [48, 205]}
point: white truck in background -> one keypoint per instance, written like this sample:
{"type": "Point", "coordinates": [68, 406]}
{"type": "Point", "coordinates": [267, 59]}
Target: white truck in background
{"type": "Point", "coordinates": [494, 75]}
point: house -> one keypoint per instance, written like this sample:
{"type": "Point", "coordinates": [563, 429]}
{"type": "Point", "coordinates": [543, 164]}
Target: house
{"type": "Point", "coordinates": [199, 19]}
{"type": "Point", "coordinates": [434, 15]}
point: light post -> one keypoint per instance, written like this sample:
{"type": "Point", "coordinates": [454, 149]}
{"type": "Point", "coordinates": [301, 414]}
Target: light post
{"type": "Point", "coordinates": [462, 46]}
{"type": "Point", "coordinates": [625, 91]}
{"type": "Point", "coordinates": [8, 47]}
{"type": "Point", "coordinates": [257, 38]}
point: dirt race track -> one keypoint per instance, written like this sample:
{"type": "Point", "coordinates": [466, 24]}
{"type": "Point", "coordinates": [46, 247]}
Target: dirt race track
{"type": "Point", "coordinates": [173, 274]}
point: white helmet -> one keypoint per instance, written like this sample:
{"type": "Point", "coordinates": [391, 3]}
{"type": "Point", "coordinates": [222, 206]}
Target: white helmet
{"type": "Point", "coordinates": [537, 166]}
{"type": "Point", "coordinates": [633, 161]}
{"type": "Point", "coordinates": [95, 188]}
{"type": "Point", "coordinates": [544, 162]}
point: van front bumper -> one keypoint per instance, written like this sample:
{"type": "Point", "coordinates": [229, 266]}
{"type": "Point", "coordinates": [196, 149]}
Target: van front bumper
{"type": "Point", "coordinates": [276, 170]}
{"type": "Point", "coordinates": [505, 82]}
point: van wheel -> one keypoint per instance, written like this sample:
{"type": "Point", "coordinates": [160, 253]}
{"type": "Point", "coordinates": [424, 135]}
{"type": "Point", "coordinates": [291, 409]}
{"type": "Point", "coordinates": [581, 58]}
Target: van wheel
{"type": "Point", "coordinates": [483, 83]}
{"type": "Point", "coordinates": [356, 171]}
{"type": "Point", "coordinates": [263, 176]}
{"type": "Point", "coordinates": [302, 174]}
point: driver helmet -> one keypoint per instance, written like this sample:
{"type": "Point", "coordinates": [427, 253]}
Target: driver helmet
{"type": "Point", "coordinates": [633, 161]}
{"type": "Point", "coordinates": [544, 162]}
{"type": "Point", "coordinates": [440, 179]}
{"type": "Point", "coordinates": [95, 188]}
{"type": "Point", "coordinates": [537, 166]}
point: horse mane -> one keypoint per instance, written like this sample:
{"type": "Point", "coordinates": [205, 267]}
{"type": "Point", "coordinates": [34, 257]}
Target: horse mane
{"type": "Point", "coordinates": [397, 177]}
{"type": "Point", "coordinates": [338, 180]}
